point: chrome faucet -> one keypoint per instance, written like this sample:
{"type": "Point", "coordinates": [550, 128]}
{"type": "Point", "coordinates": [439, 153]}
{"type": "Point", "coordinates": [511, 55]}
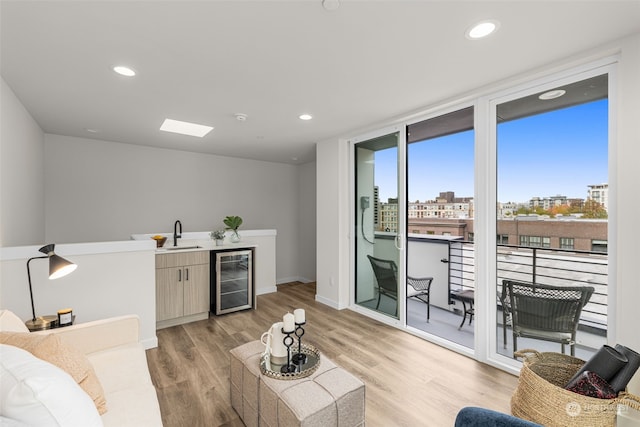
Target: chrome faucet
{"type": "Point", "coordinates": [176, 235]}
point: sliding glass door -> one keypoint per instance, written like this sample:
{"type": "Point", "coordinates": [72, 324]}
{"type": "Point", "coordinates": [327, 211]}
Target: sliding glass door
{"type": "Point", "coordinates": [552, 216]}
{"type": "Point", "coordinates": [379, 223]}
{"type": "Point", "coordinates": [440, 226]}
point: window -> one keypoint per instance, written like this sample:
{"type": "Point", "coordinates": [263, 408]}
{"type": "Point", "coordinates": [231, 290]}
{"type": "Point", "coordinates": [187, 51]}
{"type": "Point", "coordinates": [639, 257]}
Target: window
{"type": "Point", "coordinates": [535, 241]}
{"type": "Point", "coordinates": [566, 243]}
{"type": "Point", "coordinates": [551, 163]}
{"type": "Point", "coordinates": [503, 239]}
{"type": "Point", "coordinates": [599, 246]}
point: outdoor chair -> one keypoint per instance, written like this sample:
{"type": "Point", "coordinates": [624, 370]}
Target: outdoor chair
{"type": "Point", "coordinates": [386, 273]}
{"type": "Point", "coordinates": [544, 312]}
{"type": "Point", "coordinates": [419, 288]}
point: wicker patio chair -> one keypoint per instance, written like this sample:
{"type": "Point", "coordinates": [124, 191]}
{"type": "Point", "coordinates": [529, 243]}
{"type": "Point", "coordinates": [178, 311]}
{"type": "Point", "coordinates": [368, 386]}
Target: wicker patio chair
{"type": "Point", "coordinates": [549, 313]}
{"type": "Point", "coordinates": [419, 288]}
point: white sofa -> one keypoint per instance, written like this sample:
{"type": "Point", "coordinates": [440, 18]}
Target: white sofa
{"type": "Point", "coordinates": [118, 358]}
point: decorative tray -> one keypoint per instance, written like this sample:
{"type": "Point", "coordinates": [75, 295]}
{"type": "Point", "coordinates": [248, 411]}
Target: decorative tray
{"type": "Point", "coordinates": [273, 370]}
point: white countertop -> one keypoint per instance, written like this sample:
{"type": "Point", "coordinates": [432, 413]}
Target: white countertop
{"type": "Point", "coordinates": [201, 245]}
{"type": "Point", "coordinates": [203, 241]}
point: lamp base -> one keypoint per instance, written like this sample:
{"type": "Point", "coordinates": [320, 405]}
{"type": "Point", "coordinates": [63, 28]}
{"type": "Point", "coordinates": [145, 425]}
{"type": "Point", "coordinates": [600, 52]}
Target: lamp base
{"type": "Point", "coordinates": [41, 323]}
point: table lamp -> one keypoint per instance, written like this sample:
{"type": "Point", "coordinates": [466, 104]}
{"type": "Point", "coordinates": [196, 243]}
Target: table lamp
{"type": "Point", "coordinates": [58, 267]}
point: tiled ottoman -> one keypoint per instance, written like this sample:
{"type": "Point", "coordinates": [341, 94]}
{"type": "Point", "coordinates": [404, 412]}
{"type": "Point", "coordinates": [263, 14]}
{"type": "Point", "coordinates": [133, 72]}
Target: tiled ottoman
{"type": "Point", "coordinates": [329, 397]}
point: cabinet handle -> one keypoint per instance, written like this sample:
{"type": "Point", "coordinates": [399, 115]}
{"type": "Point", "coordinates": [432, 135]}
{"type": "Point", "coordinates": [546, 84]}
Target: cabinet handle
{"type": "Point", "coordinates": [186, 270]}
{"type": "Point", "coordinates": [180, 275]}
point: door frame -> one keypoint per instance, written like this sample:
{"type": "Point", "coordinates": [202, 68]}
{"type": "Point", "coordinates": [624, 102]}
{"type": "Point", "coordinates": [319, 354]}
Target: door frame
{"type": "Point", "coordinates": [401, 237]}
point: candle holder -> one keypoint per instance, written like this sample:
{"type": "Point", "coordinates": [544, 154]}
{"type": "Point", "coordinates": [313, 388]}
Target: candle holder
{"type": "Point", "coordinates": [288, 342]}
{"type": "Point", "coordinates": [300, 358]}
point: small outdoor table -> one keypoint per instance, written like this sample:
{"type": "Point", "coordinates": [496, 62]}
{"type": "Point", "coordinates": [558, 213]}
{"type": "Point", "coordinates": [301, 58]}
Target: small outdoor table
{"type": "Point", "coordinates": [466, 298]}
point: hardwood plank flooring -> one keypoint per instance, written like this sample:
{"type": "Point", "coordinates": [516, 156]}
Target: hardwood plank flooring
{"type": "Point", "coordinates": [409, 381]}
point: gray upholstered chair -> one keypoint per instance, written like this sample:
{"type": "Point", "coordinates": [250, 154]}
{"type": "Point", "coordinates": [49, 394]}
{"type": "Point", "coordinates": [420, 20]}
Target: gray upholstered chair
{"type": "Point", "coordinates": [544, 312]}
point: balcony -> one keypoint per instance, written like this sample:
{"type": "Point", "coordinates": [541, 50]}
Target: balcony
{"type": "Point", "coordinates": [452, 264]}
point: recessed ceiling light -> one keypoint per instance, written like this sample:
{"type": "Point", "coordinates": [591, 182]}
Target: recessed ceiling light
{"type": "Point", "coordinates": [330, 4]}
{"type": "Point", "coordinates": [482, 29]}
{"type": "Point", "coordinates": [305, 117]}
{"type": "Point", "coordinates": [552, 94]}
{"type": "Point", "coordinates": [185, 128]}
{"type": "Point", "coordinates": [124, 71]}
{"type": "Point", "coordinates": [90, 130]}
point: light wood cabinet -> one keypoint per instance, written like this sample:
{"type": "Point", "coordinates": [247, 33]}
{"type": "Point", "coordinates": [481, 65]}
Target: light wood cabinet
{"type": "Point", "coordinates": [182, 288]}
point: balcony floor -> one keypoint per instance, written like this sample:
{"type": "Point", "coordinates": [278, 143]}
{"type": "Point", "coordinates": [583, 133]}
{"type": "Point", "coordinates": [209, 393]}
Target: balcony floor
{"type": "Point", "coordinates": [445, 323]}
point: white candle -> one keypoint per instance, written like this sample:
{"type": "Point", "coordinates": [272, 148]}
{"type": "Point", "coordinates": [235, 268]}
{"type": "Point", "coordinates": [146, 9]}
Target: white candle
{"type": "Point", "coordinates": [289, 322]}
{"type": "Point", "coordinates": [298, 313]}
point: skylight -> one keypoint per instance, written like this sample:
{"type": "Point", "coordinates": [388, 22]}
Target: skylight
{"type": "Point", "coordinates": [185, 128]}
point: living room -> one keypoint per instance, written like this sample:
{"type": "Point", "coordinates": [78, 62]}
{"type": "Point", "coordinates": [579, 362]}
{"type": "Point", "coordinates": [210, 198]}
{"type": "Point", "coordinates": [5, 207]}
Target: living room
{"type": "Point", "coordinates": [61, 183]}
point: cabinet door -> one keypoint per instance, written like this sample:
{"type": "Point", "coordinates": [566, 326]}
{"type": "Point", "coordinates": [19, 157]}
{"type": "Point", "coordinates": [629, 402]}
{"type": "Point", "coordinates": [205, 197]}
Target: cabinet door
{"type": "Point", "coordinates": [234, 281]}
{"type": "Point", "coordinates": [169, 293]}
{"type": "Point", "coordinates": [196, 289]}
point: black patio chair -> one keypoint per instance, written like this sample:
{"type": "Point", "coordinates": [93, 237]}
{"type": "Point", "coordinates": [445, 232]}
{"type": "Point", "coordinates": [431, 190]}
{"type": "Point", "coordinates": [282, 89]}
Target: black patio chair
{"type": "Point", "coordinates": [386, 272]}
{"type": "Point", "coordinates": [544, 312]}
{"type": "Point", "coordinates": [420, 288]}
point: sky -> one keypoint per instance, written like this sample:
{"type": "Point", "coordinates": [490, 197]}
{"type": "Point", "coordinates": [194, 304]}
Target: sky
{"type": "Point", "coordinates": [556, 153]}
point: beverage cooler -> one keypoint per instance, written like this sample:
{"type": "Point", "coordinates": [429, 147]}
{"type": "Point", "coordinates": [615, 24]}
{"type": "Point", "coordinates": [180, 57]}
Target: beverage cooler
{"type": "Point", "coordinates": [231, 280]}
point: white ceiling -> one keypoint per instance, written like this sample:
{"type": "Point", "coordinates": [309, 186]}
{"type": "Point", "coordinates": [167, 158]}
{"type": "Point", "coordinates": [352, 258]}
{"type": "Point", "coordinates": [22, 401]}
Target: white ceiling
{"type": "Point", "coordinates": [204, 61]}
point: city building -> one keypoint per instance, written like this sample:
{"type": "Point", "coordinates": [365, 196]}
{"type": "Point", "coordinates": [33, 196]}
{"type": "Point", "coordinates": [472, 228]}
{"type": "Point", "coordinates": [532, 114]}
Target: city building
{"type": "Point", "coordinates": [589, 235]}
{"type": "Point", "coordinates": [600, 194]}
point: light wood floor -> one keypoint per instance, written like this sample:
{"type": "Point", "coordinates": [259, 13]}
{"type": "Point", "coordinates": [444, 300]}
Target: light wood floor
{"type": "Point", "coordinates": [409, 381]}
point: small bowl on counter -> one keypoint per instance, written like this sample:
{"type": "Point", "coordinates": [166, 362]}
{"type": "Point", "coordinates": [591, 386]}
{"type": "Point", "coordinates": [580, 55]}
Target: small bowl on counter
{"type": "Point", "coordinates": [160, 241]}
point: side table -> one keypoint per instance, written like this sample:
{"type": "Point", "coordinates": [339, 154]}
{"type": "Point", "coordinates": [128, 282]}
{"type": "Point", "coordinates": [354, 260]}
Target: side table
{"type": "Point", "coordinates": [467, 299]}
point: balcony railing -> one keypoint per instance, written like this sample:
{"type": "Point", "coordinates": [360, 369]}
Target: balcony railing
{"type": "Point", "coordinates": [535, 265]}
{"type": "Point", "coordinates": [560, 267]}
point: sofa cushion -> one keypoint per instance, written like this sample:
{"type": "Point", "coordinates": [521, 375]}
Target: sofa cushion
{"type": "Point", "coordinates": [37, 393]}
{"type": "Point", "coordinates": [124, 374]}
{"type": "Point", "coordinates": [11, 323]}
{"type": "Point", "coordinates": [52, 349]}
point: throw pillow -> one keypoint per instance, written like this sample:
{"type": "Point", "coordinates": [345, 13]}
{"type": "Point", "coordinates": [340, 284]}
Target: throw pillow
{"type": "Point", "coordinates": [11, 323]}
{"type": "Point", "coordinates": [50, 348]}
{"type": "Point", "coordinates": [37, 393]}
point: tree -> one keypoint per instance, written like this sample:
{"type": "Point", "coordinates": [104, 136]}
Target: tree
{"type": "Point", "coordinates": [593, 209]}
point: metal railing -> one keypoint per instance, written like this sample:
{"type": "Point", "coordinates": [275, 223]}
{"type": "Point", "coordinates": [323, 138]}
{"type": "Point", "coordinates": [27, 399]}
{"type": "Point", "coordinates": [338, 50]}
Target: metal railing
{"type": "Point", "coordinates": [545, 266]}
{"type": "Point", "coordinates": [560, 267]}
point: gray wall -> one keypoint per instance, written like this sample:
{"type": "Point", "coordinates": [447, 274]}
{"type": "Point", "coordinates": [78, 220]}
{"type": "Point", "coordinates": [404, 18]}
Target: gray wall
{"type": "Point", "coordinates": [307, 225]}
{"type": "Point", "coordinates": [21, 173]}
{"type": "Point", "coordinates": [99, 190]}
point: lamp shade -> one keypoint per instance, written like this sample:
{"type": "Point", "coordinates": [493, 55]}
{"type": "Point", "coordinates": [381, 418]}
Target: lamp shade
{"type": "Point", "coordinates": [59, 267]}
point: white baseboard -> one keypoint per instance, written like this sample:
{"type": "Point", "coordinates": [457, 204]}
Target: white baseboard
{"type": "Point", "coordinates": [329, 302]}
{"type": "Point", "coordinates": [150, 343]}
{"type": "Point", "coordinates": [267, 290]}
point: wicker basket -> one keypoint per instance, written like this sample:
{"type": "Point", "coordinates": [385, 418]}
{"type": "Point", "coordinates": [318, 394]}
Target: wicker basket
{"type": "Point", "coordinates": [540, 396]}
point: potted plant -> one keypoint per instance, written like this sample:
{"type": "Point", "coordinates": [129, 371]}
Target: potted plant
{"type": "Point", "coordinates": [233, 222]}
{"type": "Point", "coordinates": [218, 236]}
